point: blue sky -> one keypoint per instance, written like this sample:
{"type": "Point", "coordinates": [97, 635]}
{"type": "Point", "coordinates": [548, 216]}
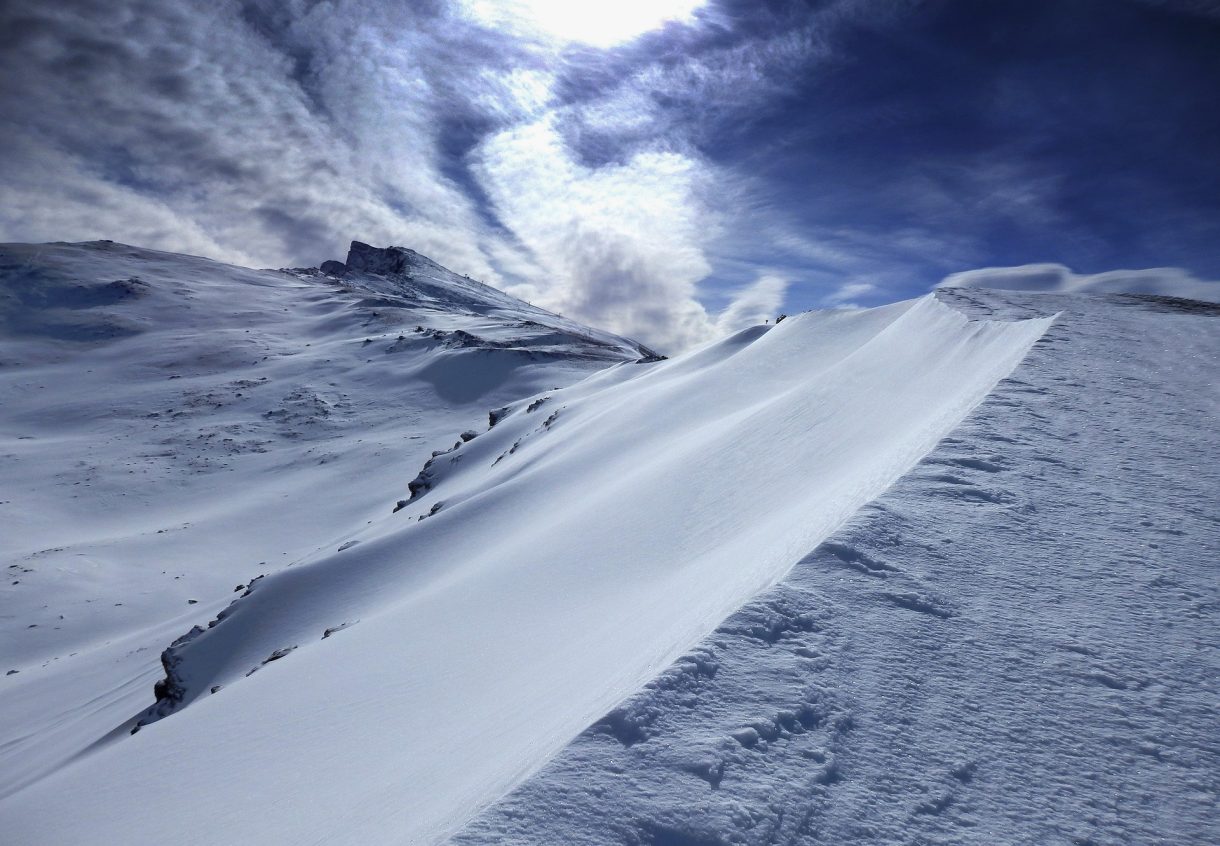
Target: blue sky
{"type": "Point", "coordinates": [669, 179]}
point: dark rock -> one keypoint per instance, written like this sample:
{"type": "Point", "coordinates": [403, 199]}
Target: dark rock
{"type": "Point", "coordinates": [364, 258]}
{"type": "Point", "coordinates": [422, 483]}
{"type": "Point", "coordinates": [328, 632]}
{"type": "Point", "coordinates": [171, 691]}
{"type": "Point", "coordinates": [278, 654]}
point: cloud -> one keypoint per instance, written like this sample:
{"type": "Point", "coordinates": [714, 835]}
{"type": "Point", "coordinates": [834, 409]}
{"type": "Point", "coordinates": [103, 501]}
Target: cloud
{"type": "Point", "coordinates": [835, 144]}
{"type": "Point", "coordinates": [86, 206]}
{"type": "Point", "coordinates": [259, 138]}
{"type": "Point", "coordinates": [271, 133]}
{"type": "Point", "coordinates": [622, 245]}
{"type": "Point", "coordinates": [758, 302]}
{"type": "Point", "coordinates": [1055, 278]}
{"type": "Point", "coordinates": [845, 295]}
{"type": "Point", "coordinates": [601, 25]}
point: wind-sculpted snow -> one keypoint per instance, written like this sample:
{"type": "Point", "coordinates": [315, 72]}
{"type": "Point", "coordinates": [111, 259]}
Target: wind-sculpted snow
{"type": "Point", "coordinates": [588, 539]}
{"type": "Point", "coordinates": [1013, 644]}
{"type": "Point", "coordinates": [1055, 278]}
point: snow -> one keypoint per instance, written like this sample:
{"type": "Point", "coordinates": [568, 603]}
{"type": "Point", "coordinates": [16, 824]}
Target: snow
{"type": "Point", "coordinates": [1013, 644]}
{"type": "Point", "coordinates": [940, 571]}
{"type": "Point", "coordinates": [411, 666]}
{"type": "Point", "coordinates": [171, 427]}
{"type": "Point", "coordinates": [1056, 278]}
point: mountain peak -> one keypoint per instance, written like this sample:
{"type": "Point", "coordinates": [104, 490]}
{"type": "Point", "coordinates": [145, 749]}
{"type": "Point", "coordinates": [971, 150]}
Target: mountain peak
{"type": "Point", "coordinates": [384, 261]}
{"type": "Point", "coordinates": [403, 272]}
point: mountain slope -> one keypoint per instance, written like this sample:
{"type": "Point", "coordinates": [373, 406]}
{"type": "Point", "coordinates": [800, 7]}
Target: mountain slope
{"type": "Point", "coordinates": [1013, 644]}
{"type": "Point", "coordinates": [387, 686]}
{"type": "Point", "coordinates": [171, 427]}
{"type": "Point", "coordinates": [135, 382]}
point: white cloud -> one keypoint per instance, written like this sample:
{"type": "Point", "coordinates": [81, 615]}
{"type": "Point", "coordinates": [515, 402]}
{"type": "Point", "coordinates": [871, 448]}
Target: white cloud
{"type": "Point", "coordinates": [600, 24]}
{"type": "Point", "coordinates": [758, 302]}
{"type": "Point", "coordinates": [272, 141]}
{"type": "Point", "coordinates": [620, 246]}
{"type": "Point", "coordinates": [516, 94]}
{"type": "Point", "coordinates": [87, 207]}
{"type": "Point", "coordinates": [271, 134]}
{"type": "Point", "coordinates": [845, 294]}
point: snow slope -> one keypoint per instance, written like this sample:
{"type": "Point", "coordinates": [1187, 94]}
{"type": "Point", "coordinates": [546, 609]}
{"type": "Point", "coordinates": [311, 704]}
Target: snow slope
{"type": "Point", "coordinates": [386, 687]}
{"type": "Point", "coordinates": [171, 427]}
{"type": "Point", "coordinates": [1016, 643]}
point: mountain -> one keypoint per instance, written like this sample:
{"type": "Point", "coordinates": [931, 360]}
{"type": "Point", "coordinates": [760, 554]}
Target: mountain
{"type": "Point", "coordinates": [1014, 643]}
{"type": "Point", "coordinates": [173, 427]}
{"type": "Point", "coordinates": [835, 576]}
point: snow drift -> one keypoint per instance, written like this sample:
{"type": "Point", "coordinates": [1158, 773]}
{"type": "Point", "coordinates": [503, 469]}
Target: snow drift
{"type": "Point", "coordinates": [387, 688]}
{"type": "Point", "coordinates": [1053, 278]}
{"type": "Point", "coordinates": [1014, 643]}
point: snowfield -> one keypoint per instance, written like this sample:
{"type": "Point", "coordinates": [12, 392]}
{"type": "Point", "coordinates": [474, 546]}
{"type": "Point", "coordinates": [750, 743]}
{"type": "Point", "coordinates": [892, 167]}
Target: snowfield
{"type": "Point", "coordinates": [172, 427]}
{"type": "Point", "coordinates": [1016, 643]}
{"type": "Point", "coordinates": [456, 549]}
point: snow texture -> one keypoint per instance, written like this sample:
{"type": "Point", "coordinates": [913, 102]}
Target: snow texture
{"type": "Point", "coordinates": [172, 427]}
{"type": "Point", "coordinates": [1056, 278]}
{"type": "Point", "coordinates": [538, 574]}
{"type": "Point", "coordinates": [1014, 644]}
{"type": "Point", "coordinates": [470, 537]}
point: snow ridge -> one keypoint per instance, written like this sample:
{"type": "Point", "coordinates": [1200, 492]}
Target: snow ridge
{"type": "Point", "coordinates": [581, 547]}
{"type": "Point", "coordinates": [1010, 644]}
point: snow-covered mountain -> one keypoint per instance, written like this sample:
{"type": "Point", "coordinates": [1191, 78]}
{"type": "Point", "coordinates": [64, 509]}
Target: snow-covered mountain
{"type": "Point", "coordinates": [173, 427]}
{"type": "Point", "coordinates": [1015, 643]}
{"type": "Point", "coordinates": [409, 538]}
{"type": "Point", "coordinates": [150, 398]}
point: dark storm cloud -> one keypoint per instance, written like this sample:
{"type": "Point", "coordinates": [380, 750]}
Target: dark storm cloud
{"type": "Point", "coordinates": [863, 148]}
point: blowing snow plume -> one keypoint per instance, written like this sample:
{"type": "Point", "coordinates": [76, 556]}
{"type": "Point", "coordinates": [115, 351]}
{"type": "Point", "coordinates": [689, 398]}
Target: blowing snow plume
{"type": "Point", "coordinates": [566, 556]}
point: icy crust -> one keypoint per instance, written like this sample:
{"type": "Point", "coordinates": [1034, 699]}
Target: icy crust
{"type": "Point", "coordinates": [1014, 644]}
{"type": "Point", "coordinates": [589, 538]}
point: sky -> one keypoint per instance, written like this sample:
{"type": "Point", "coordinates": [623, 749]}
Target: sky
{"type": "Point", "coordinates": [668, 169]}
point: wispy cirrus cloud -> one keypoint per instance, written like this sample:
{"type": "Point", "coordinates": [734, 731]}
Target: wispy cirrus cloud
{"type": "Point", "coordinates": [271, 150]}
{"type": "Point", "coordinates": [272, 133]}
{"type": "Point", "coordinates": [659, 185]}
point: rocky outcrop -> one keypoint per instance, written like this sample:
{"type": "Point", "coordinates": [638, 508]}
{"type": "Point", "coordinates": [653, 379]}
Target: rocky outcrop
{"type": "Point", "coordinates": [384, 261]}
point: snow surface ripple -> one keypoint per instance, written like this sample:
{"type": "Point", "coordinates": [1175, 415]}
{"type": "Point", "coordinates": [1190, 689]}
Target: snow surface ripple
{"type": "Point", "coordinates": [556, 563]}
{"type": "Point", "coordinates": [1014, 644]}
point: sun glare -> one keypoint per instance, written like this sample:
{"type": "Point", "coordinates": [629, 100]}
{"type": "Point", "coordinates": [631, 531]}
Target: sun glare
{"type": "Point", "coordinates": [600, 23]}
